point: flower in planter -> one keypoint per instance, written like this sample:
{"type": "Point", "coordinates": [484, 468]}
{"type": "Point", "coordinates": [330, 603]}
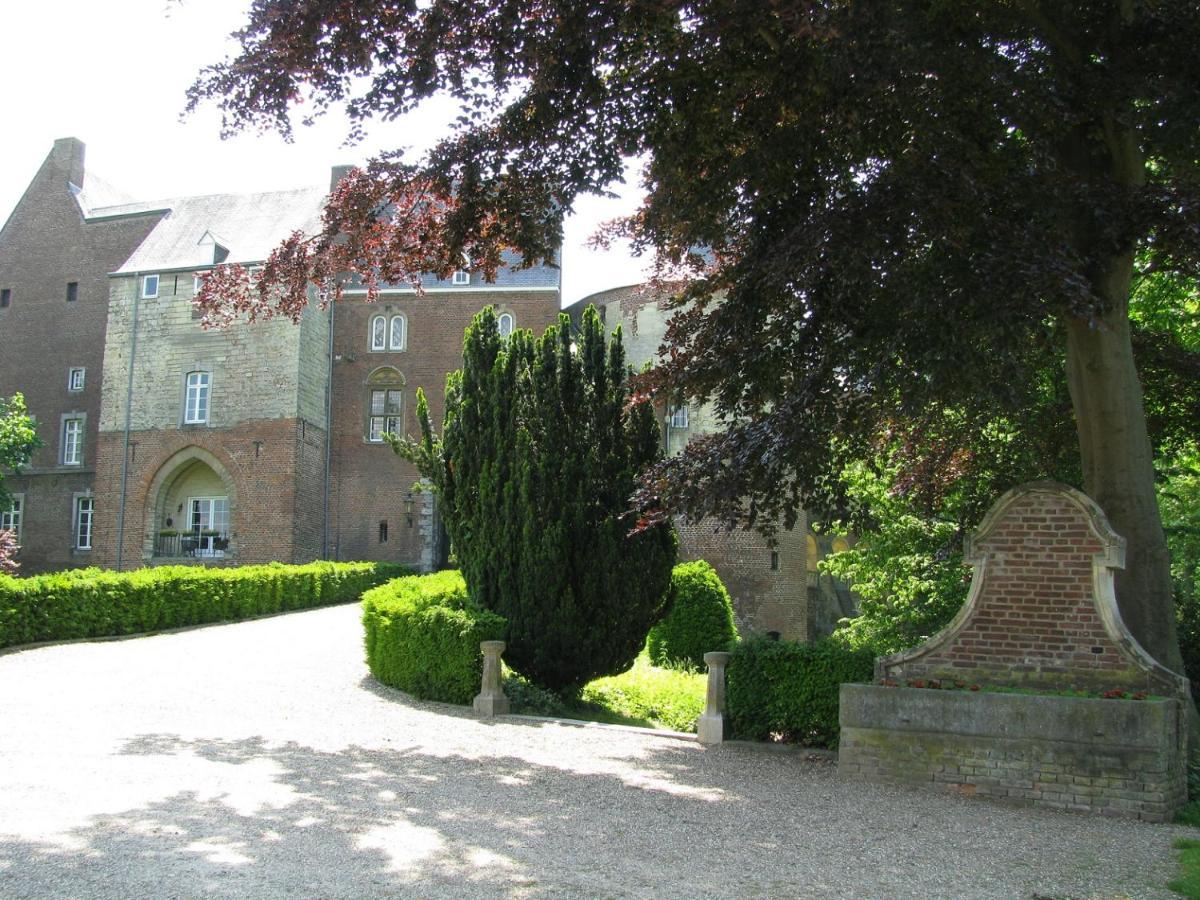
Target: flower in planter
{"type": "Point", "coordinates": [973, 687]}
{"type": "Point", "coordinates": [1115, 694]}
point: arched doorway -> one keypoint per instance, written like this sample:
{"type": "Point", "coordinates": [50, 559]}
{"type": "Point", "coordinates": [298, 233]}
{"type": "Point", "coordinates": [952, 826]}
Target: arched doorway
{"type": "Point", "coordinates": [192, 503]}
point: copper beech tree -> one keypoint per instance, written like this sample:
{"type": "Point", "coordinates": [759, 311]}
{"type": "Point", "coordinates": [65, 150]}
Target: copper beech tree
{"type": "Point", "coordinates": [875, 208]}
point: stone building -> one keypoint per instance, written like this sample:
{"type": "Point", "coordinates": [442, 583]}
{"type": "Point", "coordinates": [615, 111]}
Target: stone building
{"type": "Point", "coordinates": [248, 444]}
{"type": "Point", "coordinates": [774, 588]}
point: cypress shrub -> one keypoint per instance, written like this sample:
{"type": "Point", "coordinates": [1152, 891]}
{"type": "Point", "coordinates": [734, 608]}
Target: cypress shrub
{"type": "Point", "coordinates": [423, 635]}
{"type": "Point", "coordinates": [786, 690]}
{"type": "Point", "coordinates": [84, 603]}
{"type": "Point", "coordinates": [540, 453]}
{"type": "Point", "coordinates": [700, 620]}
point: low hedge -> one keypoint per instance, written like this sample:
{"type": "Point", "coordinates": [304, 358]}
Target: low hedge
{"type": "Point", "coordinates": [700, 618]}
{"type": "Point", "coordinates": [423, 634]}
{"type": "Point", "coordinates": [85, 603]}
{"type": "Point", "coordinates": [780, 690]}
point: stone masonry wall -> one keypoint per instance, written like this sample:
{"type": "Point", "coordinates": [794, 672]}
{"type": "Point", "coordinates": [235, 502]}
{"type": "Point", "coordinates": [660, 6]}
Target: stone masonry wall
{"type": "Point", "coordinates": [254, 369]}
{"type": "Point", "coordinates": [1115, 757]}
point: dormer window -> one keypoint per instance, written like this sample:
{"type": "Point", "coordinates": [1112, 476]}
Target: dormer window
{"type": "Point", "coordinates": [461, 276]}
{"type": "Point", "coordinates": [149, 287]}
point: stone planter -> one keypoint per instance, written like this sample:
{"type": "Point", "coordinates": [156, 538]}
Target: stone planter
{"type": "Point", "coordinates": [1113, 757]}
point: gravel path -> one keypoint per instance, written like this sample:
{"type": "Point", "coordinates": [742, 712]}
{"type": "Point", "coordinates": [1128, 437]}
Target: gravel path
{"type": "Point", "coordinates": [259, 760]}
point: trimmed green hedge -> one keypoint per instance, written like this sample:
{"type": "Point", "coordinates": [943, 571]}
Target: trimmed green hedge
{"type": "Point", "coordinates": [783, 690]}
{"type": "Point", "coordinates": [700, 618]}
{"type": "Point", "coordinates": [423, 635]}
{"type": "Point", "coordinates": [85, 603]}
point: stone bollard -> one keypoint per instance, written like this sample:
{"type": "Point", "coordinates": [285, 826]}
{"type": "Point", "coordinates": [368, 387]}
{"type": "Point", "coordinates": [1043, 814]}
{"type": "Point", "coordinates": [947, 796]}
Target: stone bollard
{"type": "Point", "coordinates": [491, 700]}
{"type": "Point", "coordinates": [710, 729]}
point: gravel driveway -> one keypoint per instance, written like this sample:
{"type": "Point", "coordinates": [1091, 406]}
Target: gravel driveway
{"type": "Point", "coordinates": [259, 760]}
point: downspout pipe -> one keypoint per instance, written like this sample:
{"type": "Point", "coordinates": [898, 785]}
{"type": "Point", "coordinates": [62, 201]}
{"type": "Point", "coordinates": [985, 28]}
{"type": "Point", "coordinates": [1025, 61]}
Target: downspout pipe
{"type": "Point", "coordinates": [328, 440]}
{"type": "Point", "coordinates": [137, 296]}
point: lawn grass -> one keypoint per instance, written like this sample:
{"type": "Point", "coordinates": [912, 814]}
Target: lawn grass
{"type": "Point", "coordinates": [646, 696]}
{"type": "Point", "coordinates": [661, 697]}
{"type": "Point", "coordinates": [1188, 883]}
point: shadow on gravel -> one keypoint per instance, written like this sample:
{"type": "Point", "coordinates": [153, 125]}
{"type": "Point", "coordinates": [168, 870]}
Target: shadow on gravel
{"type": "Point", "coordinates": [285, 820]}
{"type": "Point", "coordinates": [248, 818]}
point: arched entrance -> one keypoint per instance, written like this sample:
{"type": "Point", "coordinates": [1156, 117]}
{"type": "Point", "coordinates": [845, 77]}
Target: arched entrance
{"type": "Point", "coordinates": [192, 503]}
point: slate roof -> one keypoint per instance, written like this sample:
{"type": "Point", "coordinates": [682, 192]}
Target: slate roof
{"type": "Point", "coordinates": [249, 227]}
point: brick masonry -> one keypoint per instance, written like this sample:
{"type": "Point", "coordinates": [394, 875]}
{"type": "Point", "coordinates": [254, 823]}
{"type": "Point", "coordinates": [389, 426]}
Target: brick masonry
{"type": "Point", "coordinates": [371, 485]}
{"type": "Point", "coordinates": [45, 244]}
{"type": "Point", "coordinates": [1041, 615]}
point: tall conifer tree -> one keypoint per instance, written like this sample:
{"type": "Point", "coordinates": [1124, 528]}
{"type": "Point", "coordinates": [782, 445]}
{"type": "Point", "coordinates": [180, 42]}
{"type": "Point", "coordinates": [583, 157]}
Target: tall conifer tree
{"type": "Point", "coordinates": [540, 453]}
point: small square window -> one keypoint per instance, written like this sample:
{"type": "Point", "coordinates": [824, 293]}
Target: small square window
{"type": "Point", "coordinates": [72, 291]}
{"type": "Point", "coordinates": [5, 296]}
{"type": "Point", "coordinates": [75, 380]}
{"type": "Point", "coordinates": [461, 276]}
{"type": "Point", "coordinates": [149, 287]}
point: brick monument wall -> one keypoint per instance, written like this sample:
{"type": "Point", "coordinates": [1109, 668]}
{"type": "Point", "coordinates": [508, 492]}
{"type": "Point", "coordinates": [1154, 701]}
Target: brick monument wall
{"type": "Point", "coordinates": [1042, 616]}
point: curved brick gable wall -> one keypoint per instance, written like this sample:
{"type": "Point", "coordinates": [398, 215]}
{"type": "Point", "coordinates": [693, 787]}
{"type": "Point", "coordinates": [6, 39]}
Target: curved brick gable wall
{"type": "Point", "coordinates": [1037, 619]}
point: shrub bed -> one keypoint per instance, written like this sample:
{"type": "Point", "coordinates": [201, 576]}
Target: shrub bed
{"type": "Point", "coordinates": [85, 603]}
{"type": "Point", "coordinates": [780, 690]}
{"type": "Point", "coordinates": [700, 618]}
{"type": "Point", "coordinates": [423, 634]}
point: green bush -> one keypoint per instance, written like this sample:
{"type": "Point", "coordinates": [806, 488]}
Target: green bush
{"type": "Point", "coordinates": [788, 691]}
{"type": "Point", "coordinates": [700, 618]}
{"type": "Point", "coordinates": [423, 634]}
{"type": "Point", "coordinates": [86, 603]}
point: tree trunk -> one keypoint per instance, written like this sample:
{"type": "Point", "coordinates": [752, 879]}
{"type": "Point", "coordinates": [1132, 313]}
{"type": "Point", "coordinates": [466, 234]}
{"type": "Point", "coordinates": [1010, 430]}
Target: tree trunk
{"type": "Point", "coordinates": [1117, 462]}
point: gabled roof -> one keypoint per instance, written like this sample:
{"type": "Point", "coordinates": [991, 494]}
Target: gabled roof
{"type": "Point", "coordinates": [249, 225]}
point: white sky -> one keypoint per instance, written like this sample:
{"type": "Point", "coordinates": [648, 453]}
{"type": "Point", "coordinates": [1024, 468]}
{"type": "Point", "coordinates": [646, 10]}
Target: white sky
{"type": "Point", "coordinates": [113, 74]}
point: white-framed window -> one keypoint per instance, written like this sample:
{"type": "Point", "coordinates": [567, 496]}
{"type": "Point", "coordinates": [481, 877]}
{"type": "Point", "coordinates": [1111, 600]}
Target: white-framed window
{"type": "Point", "coordinates": [149, 287]}
{"type": "Point", "coordinates": [72, 445]}
{"type": "Point", "coordinates": [379, 328]}
{"type": "Point", "coordinates": [75, 378]}
{"type": "Point", "coordinates": [461, 276]}
{"type": "Point", "coordinates": [386, 409]}
{"type": "Point", "coordinates": [506, 323]}
{"type": "Point", "coordinates": [397, 333]}
{"type": "Point", "coordinates": [679, 416]}
{"type": "Point", "coordinates": [84, 507]}
{"type": "Point", "coordinates": [195, 403]}
{"type": "Point", "coordinates": [10, 519]}
{"type": "Point", "coordinates": [197, 282]}
{"type": "Point", "coordinates": [208, 522]}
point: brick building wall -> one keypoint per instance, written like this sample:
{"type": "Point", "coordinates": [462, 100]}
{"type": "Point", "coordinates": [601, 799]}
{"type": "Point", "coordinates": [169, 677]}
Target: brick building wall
{"type": "Point", "coordinates": [47, 243]}
{"type": "Point", "coordinates": [370, 483]}
{"type": "Point", "coordinates": [255, 459]}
